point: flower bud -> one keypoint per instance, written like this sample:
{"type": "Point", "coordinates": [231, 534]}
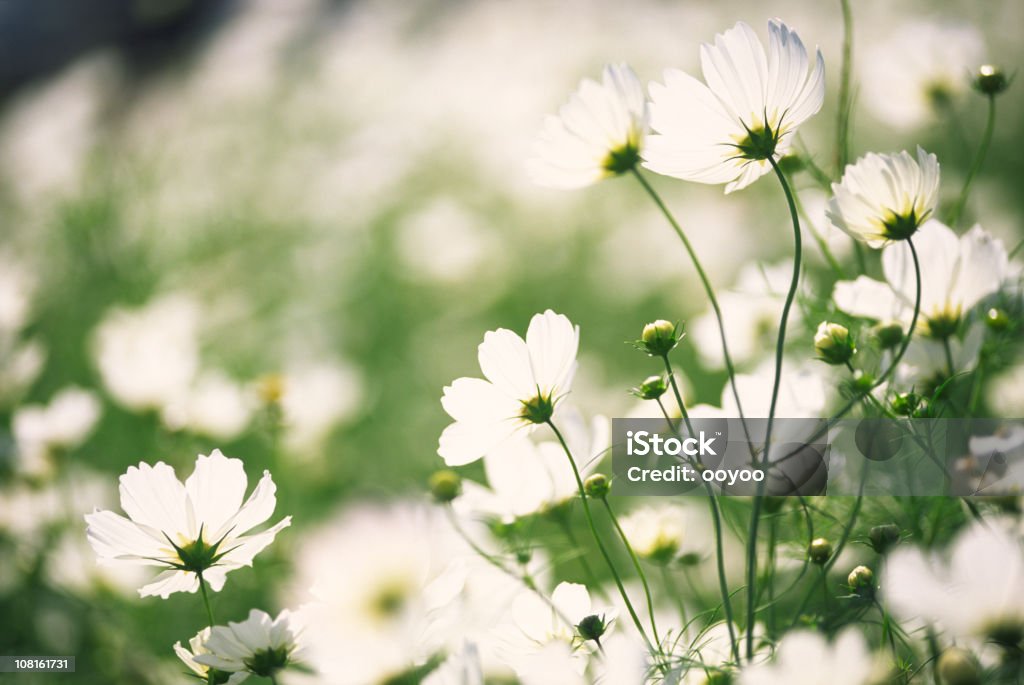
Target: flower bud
{"type": "Point", "coordinates": [906, 403]}
{"type": "Point", "coordinates": [445, 485]}
{"type": "Point", "coordinates": [957, 666]}
{"type": "Point", "coordinates": [791, 163]}
{"type": "Point", "coordinates": [997, 319]}
{"type": "Point", "coordinates": [659, 338]}
{"type": "Point", "coordinates": [833, 343]}
{"type": "Point", "coordinates": [820, 551]}
{"type": "Point", "coordinates": [862, 581]}
{"type": "Point", "coordinates": [884, 537]}
{"type": "Point", "coordinates": [592, 627]}
{"type": "Point", "coordinates": [652, 388]}
{"type": "Point", "coordinates": [990, 80]}
{"type": "Point", "coordinates": [889, 334]}
{"type": "Point", "coordinates": [597, 486]}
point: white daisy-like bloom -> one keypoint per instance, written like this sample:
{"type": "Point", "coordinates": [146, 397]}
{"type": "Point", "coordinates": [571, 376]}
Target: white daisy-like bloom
{"type": "Point", "coordinates": [414, 589]}
{"type": "Point", "coordinates": [884, 197]}
{"type": "Point", "coordinates": [806, 658]}
{"type": "Point", "coordinates": [920, 68]}
{"type": "Point", "coordinates": [1005, 393]}
{"type": "Point", "coordinates": [753, 103]}
{"type": "Point", "coordinates": [260, 645]}
{"type": "Point", "coordinates": [17, 286]}
{"type": "Point", "coordinates": [548, 636]}
{"type": "Point", "coordinates": [527, 477]}
{"type": "Point", "coordinates": [149, 357]}
{"type": "Point", "coordinates": [196, 647]}
{"type": "Point", "coordinates": [62, 424]}
{"type": "Point", "coordinates": [998, 460]}
{"type": "Point", "coordinates": [525, 380]}
{"type": "Point", "coordinates": [956, 274]}
{"type": "Point", "coordinates": [599, 133]}
{"type": "Point", "coordinates": [926, 361]}
{"type": "Point", "coordinates": [315, 397]}
{"type": "Point", "coordinates": [196, 528]}
{"type": "Point", "coordinates": [972, 592]}
{"type": "Point", "coordinates": [655, 532]}
{"type": "Point", "coordinates": [214, 406]}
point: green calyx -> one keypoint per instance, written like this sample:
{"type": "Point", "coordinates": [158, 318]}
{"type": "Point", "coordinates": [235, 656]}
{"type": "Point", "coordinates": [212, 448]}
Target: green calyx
{"type": "Point", "coordinates": [902, 226]}
{"type": "Point", "coordinates": [267, 662]}
{"type": "Point", "coordinates": [942, 326]}
{"type": "Point", "coordinates": [760, 143]}
{"type": "Point", "coordinates": [198, 555]}
{"type": "Point", "coordinates": [539, 409]}
{"type": "Point", "coordinates": [622, 159]}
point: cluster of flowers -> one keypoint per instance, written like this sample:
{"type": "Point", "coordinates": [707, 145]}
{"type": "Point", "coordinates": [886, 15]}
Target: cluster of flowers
{"type": "Point", "coordinates": [737, 125]}
{"type": "Point", "coordinates": [198, 531]}
{"type": "Point", "coordinates": [459, 606]}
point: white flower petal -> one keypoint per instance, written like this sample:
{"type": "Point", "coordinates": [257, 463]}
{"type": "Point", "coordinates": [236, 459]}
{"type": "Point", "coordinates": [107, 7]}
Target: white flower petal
{"type": "Point", "coordinates": [215, 489]}
{"type": "Point", "coordinates": [153, 496]}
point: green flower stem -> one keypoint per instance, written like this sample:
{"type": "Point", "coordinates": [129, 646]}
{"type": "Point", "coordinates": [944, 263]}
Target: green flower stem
{"type": "Point", "coordinates": [206, 599]}
{"type": "Point", "coordinates": [708, 289]}
{"type": "Point", "coordinates": [639, 568]}
{"type": "Point", "coordinates": [949, 356]}
{"type": "Point", "coordinates": [845, 94]}
{"type": "Point", "coordinates": [588, 571]}
{"type": "Point", "coordinates": [716, 518]}
{"type": "Point", "coordinates": [895, 360]}
{"type": "Point", "coordinates": [840, 546]}
{"type": "Point", "coordinates": [887, 628]}
{"type": "Point", "coordinates": [600, 544]}
{"type": "Point", "coordinates": [673, 591]}
{"type": "Point", "coordinates": [819, 240]}
{"type": "Point", "coordinates": [979, 159]}
{"type": "Point", "coordinates": [678, 395]}
{"type": "Point", "coordinates": [780, 344]}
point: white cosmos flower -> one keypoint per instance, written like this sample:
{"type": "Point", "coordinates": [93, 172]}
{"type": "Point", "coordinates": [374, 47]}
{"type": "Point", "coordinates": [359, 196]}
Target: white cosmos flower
{"type": "Point", "coordinates": [548, 633]}
{"type": "Point", "coordinates": [196, 647]}
{"type": "Point", "coordinates": [972, 592]}
{"type": "Point", "coordinates": [1005, 394]}
{"type": "Point", "coordinates": [921, 67]}
{"type": "Point", "coordinates": [414, 589]}
{"type": "Point", "coordinates": [259, 645]}
{"type": "Point", "coordinates": [62, 424]}
{"type": "Point", "coordinates": [885, 197]}
{"type": "Point", "coordinates": [148, 357]}
{"type": "Point", "coordinates": [806, 658]}
{"type": "Point", "coordinates": [655, 532]}
{"type": "Point", "coordinates": [315, 397]}
{"type": "Point", "coordinates": [214, 406]}
{"type": "Point", "coordinates": [527, 477]}
{"type": "Point", "coordinates": [597, 134]}
{"type": "Point", "coordinates": [193, 527]}
{"type": "Point", "coordinates": [725, 131]}
{"type": "Point", "coordinates": [956, 274]}
{"type": "Point", "coordinates": [525, 380]}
